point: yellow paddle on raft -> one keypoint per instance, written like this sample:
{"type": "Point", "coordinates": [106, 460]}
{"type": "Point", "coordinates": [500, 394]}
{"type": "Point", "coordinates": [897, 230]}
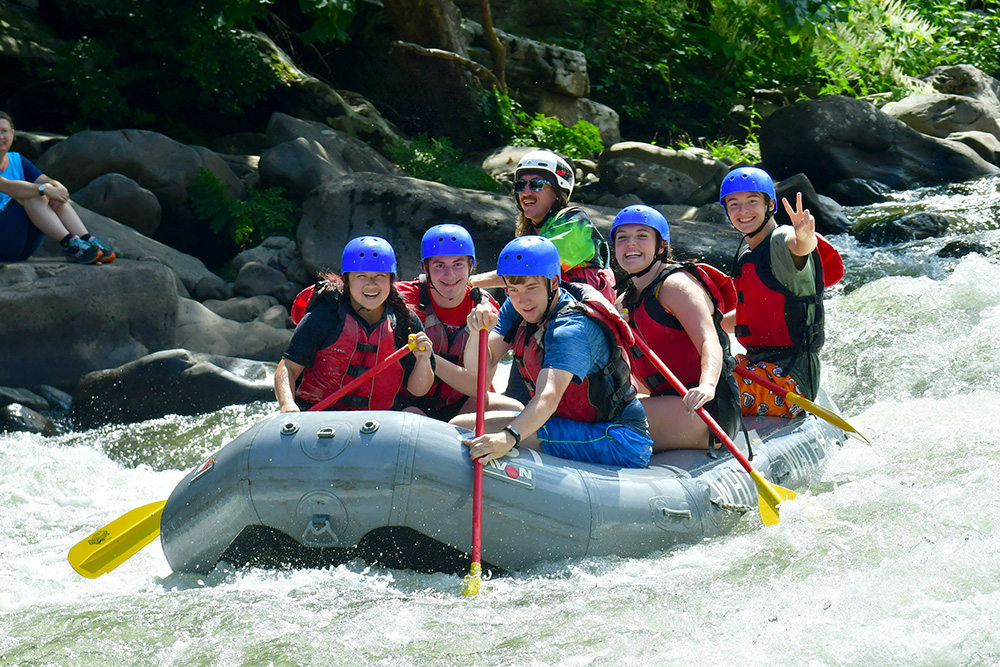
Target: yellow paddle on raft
{"type": "Point", "coordinates": [115, 543]}
{"type": "Point", "coordinates": [801, 401]}
{"type": "Point", "coordinates": [768, 495]}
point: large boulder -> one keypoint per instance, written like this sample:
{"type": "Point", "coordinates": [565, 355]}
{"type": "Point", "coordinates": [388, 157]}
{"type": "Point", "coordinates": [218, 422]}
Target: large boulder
{"type": "Point", "coordinates": [698, 167]}
{"type": "Point", "coordinates": [835, 138]}
{"type": "Point", "coordinates": [968, 81]}
{"type": "Point", "coordinates": [399, 209]}
{"type": "Point", "coordinates": [63, 320]}
{"type": "Point", "coordinates": [120, 198]}
{"type": "Point", "coordinates": [200, 330]}
{"type": "Point", "coordinates": [168, 382]}
{"type": "Point", "coordinates": [939, 115]}
{"type": "Point", "coordinates": [157, 163]}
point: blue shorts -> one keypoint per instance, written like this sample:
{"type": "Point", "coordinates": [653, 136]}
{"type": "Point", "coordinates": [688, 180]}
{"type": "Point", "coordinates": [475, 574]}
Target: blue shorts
{"type": "Point", "coordinates": [19, 239]}
{"type": "Point", "coordinates": [609, 444]}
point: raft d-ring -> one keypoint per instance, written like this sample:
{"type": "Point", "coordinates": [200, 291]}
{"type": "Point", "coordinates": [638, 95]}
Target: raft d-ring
{"type": "Point", "coordinates": [326, 432]}
{"type": "Point", "coordinates": [290, 428]}
{"type": "Point", "coordinates": [369, 426]}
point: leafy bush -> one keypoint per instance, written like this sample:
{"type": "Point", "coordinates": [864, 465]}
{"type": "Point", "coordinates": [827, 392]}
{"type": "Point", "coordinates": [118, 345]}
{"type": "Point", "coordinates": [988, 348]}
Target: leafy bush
{"type": "Point", "coordinates": [581, 140]}
{"type": "Point", "coordinates": [438, 160]}
{"type": "Point", "coordinates": [263, 214]}
{"type": "Point", "coordinates": [192, 60]}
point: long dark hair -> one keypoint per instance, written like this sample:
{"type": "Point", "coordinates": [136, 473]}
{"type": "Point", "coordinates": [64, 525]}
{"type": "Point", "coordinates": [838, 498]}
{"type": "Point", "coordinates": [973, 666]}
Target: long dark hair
{"type": "Point", "coordinates": [332, 286]}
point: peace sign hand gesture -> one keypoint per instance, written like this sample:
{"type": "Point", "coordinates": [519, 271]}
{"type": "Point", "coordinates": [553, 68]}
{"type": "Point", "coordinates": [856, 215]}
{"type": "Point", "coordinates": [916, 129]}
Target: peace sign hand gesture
{"type": "Point", "coordinates": [804, 224]}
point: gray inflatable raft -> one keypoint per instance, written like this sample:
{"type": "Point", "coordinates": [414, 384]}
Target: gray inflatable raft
{"type": "Point", "coordinates": [321, 488]}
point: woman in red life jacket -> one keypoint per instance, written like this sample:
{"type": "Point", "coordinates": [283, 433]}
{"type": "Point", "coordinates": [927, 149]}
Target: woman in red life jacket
{"type": "Point", "coordinates": [677, 309]}
{"type": "Point", "coordinates": [780, 276]}
{"type": "Point", "coordinates": [543, 184]}
{"type": "Point", "coordinates": [442, 299]}
{"type": "Point", "coordinates": [345, 332]}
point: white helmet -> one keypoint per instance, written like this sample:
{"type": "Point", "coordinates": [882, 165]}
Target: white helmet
{"type": "Point", "coordinates": [548, 162]}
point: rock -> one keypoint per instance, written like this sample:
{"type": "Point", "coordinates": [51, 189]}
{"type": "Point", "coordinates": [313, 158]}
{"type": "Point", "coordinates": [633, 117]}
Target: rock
{"type": "Point", "coordinates": [23, 397]}
{"type": "Point", "coordinates": [653, 183]}
{"type": "Point", "coordinates": [835, 138]}
{"type": "Point", "coordinates": [172, 381]}
{"type": "Point", "coordinates": [830, 218]}
{"type": "Point", "coordinates": [240, 309]}
{"type": "Point", "coordinates": [256, 278]}
{"type": "Point", "coordinates": [939, 115]}
{"type": "Point", "coordinates": [571, 110]}
{"type": "Point", "coordinates": [399, 209]}
{"type": "Point", "coordinates": [130, 244]}
{"type": "Point", "coordinates": [200, 330]}
{"type": "Point", "coordinates": [32, 144]}
{"type": "Point", "coordinates": [909, 227]}
{"type": "Point", "coordinates": [56, 397]}
{"type": "Point", "coordinates": [696, 163]}
{"type": "Point", "coordinates": [275, 316]}
{"type": "Point", "coordinates": [961, 248]}
{"type": "Point", "coordinates": [16, 417]}
{"type": "Point", "coordinates": [157, 163]}
{"type": "Point", "coordinates": [986, 145]}
{"type": "Point", "coordinates": [968, 81]}
{"type": "Point", "coordinates": [348, 153]}
{"type": "Point", "coordinates": [298, 166]}
{"type": "Point", "coordinates": [308, 98]}
{"type": "Point", "coordinates": [65, 320]}
{"type": "Point", "coordinates": [210, 288]}
{"type": "Point", "coordinates": [120, 198]}
{"type": "Point", "coordinates": [858, 191]}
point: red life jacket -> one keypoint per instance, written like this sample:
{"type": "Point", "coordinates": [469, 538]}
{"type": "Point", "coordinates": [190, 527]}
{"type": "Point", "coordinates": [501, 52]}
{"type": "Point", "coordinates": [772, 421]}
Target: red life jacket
{"type": "Point", "coordinates": [447, 342]}
{"type": "Point", "coordinates": [665, 334]}
{"type": "Point", "coordinates": [778, 324]}
{"type": "Point", "coordinates": [354, 352]}
{"type": "Point", "coordinates": [602, 395]}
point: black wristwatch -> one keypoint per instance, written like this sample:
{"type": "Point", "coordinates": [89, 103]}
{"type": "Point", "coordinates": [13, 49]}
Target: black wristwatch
{"type": "Point", "coordinates": [513, 431]}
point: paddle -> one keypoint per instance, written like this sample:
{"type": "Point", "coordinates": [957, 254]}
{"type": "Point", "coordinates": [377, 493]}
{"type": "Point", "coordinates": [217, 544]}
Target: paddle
{"type": "Point", "coordinates": [768, 495]}
{"type": "Point", "coordinates": [802, 401]}
{"type": "Point", "coordinates": [473, 580]}
{"type": "Point", "coordinates": [112, 545]}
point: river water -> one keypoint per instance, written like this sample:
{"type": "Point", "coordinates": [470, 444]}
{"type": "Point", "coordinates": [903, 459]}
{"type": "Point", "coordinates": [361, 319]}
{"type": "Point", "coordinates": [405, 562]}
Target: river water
{"type": "Point", "coordinates": [890, 557]}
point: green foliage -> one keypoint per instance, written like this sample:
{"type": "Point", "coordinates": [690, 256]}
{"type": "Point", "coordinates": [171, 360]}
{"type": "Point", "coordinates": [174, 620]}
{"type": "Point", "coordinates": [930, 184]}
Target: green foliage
{"type": "Point", "coordinates": [438, 160]}
{"type": "Point", "coordinates": [264, 213]}
{"type": "Point", "coordinates": [879, 46]}
{"type": "Point", "coordinates": [581, 140]}
{"type": "Point", "coordinates": [966, 36]}
{"type": "Point", "coordinates": [330, 19]}
{"type": "Point", "coordinates": [166, 60]}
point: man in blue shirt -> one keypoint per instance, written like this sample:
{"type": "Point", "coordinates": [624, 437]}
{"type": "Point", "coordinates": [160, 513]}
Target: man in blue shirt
{"type": "Point", "coordinates": [566, 342]}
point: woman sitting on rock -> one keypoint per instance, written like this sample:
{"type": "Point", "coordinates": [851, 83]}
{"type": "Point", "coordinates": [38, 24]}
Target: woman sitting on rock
{"type": "Point", "coordinates": [348, 328]}
{"type": "Point", "coordinates": [678, 310]}
{"type": "Point", "coordinates": [33, 206]}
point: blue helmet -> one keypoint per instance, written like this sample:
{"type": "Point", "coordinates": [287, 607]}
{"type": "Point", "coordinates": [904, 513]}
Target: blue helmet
{"type": "Point", "coordinates": [530, 256]}
{"type": "Point", "coordinates": [368, 253]}
{"type": "Point", "coordinates": [642, 215]}
{"type": "Point", "coordinates": [447, 239]}
{"type": "Point", "coordinates": [747, 179]}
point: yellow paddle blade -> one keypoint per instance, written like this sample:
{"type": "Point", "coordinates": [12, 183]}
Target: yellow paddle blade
{"type": "Point", "coordinates": [118, 541]}
{"type": "Point", "coordinates": [768, 497]}
{"type": "Point", "coordinates": [473, 580]}
{"type": "Point", "coordinates": [823, 413]}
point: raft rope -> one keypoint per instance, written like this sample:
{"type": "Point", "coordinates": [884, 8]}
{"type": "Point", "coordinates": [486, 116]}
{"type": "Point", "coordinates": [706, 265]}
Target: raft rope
{"type": "Point", "coordinates": [731, 507]}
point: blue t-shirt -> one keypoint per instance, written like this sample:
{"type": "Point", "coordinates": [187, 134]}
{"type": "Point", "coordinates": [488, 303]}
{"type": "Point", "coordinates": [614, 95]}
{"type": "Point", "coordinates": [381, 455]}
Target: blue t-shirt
{"type": "Point", "coordinates": [576, 344]}
{"type": "Point", "coordinates": [18, 169]}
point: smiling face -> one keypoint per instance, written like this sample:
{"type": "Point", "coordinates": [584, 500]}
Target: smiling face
{"type": "Point", "coordinates": [536, 205]}
{"type": "Point", "coordinates": [448, 274]}
{"type": "Point", "coordinates": [368, 291]}
{"type": "Point", "coordinates": [747, 210]}
{"type": "Point", "coordinates": [636, 246]}
{"type": "Point", "coordinates": [530, 298]}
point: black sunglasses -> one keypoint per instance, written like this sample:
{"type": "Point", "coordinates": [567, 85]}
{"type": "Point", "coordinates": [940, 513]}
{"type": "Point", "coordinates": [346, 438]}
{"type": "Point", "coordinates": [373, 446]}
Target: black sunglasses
{"type": "Point", "coordinates": [536, 185]}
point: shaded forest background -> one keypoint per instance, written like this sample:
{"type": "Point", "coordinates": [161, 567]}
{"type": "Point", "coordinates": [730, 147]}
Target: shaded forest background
{"type": "Point", "coordinates": [691, 72]}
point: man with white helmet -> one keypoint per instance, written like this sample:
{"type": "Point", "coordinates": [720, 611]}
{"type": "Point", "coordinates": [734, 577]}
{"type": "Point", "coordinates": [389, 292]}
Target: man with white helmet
{"type": "Point", "coordinates": [543, 184]}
